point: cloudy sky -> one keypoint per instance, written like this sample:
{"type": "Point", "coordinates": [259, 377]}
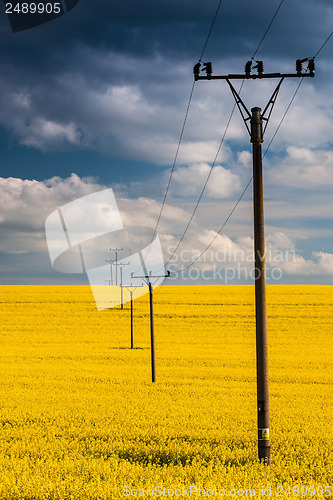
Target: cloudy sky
{"type": "Point", "coordinates": [97, 99]}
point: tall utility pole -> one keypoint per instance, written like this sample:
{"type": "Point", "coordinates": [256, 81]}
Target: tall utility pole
{"type": "Point", "coordinates": [131, 290]}
{"type": "Point", "coordinates": [121, 265]}
{"type": "Point", "coordinates": [256, 136]}
{"type": "Point", "coordinates": [111, 271]}
{"type": "Point", "coordinates": [116, 250]}
{"type": "Point", "coordinates": [147, 278]}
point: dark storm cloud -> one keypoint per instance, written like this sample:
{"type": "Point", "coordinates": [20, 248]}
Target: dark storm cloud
{"type": "Point", "coordinates": [175, 28]}
{"type": "Point", "coordinates": [115, 76]}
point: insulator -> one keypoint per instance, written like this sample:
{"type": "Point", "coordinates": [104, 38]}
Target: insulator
{"type": "Point", "coordinates": [196, 69]}
{"type": "Point", "coordinates": [311, 65]}
{"type": "Point", "coordinates": [248, 67]}
{"type": "Point", "coordinates": [208, 68]}
{"type": "Point", "coordinates": [299, 66]}
{"type": "Point", "coordinates": [260, 66]}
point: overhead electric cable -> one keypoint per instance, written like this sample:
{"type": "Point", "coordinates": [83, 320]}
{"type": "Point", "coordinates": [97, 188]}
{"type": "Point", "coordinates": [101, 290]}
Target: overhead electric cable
{"type": "Point", "coordinates": [223, 137]}
{"type": "Point", "coordinates": [211, 29]}
{"type": "Point", "coordinates": [321, 48]}
{"type": "Point", "coordinates": [283, 117]}
{"type": "Point", "coordinates": [183, 127]}
{"type": "Point", "coordinates": [221, 228]}
{"type": "Point", "coordinates": [267, 30]}
{"type": "Point", "coordinates": [249, 182]}
{"type": "Point", "coordinates": [204, 187]}
{"type": "Point", "coordinates": [174, 162]}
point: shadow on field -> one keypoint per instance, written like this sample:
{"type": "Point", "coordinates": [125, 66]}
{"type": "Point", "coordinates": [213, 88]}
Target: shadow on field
{"type": "Point", "coordinates": [166, 457]}
{"type": "Point", "coordinates": [187, 451]}
{"type": "Point", "coordinates": [171, 451]}
{"type": "Point", "coordinates": [128, 348]}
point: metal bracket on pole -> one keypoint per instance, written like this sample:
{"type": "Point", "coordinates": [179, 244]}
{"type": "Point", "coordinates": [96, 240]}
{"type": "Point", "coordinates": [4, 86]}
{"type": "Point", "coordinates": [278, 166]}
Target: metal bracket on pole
{"type": "Point", "coordinates": [270, 105]}
{"type": "Point", "coordinates": [241, 106]}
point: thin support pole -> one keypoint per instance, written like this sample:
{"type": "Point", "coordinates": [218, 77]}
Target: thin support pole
{"type": "Point", "coordinates": [121, 288]}
{"type": "Point", "coordinates": [153, 374]}
{"type": "Point", "coordinates": [132, 333]}
{"type": "Point", "coordinates": [264, 448]}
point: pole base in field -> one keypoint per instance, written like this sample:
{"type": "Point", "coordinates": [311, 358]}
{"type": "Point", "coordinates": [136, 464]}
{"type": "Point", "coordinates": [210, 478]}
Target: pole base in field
{"type": "Point", "coordinates": [264, 453]}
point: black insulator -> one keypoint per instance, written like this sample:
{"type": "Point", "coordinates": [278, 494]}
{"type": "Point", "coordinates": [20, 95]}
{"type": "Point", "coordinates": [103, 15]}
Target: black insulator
{"type": "Point", "coordinates": [311, 65]}
{"type": "Point", "coordinates": [299, 66]}
{"type": "Point", "coordinates": [248, 67]}
{"type": "Point", "coordinates": [196, 69]}
{"type": "Point", "coordinates": [208, 68]}
{"type": "Point", "coordinates": [260, 66]}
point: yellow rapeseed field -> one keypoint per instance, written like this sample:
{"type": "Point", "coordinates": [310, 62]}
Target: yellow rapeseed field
{"type": "Point", "coordinates": [81, 419]}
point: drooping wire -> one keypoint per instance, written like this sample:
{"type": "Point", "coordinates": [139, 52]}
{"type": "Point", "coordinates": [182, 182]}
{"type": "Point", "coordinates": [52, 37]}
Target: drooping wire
{"type": "Point", "coordinates": [221, 228]}
{"type": "Point", "coordinates": [250, 180]}
{"type": "Point", "coordinates": [267, 30]}
{"type": "Point", "coordinates": [210, 31]}
{"type": "Point", "coordinates": [183, 127]}
{"type": "Point", "coordinates": [283, 117]}
{"type": "Point", "coordinates": [222, 140]}
{"type": "Point", "coordinates": [293, 97]}
{"type": "Point", "coordinates": [205, 185]}
{"type": "Point", "coordinates": [321, 48]}
{"type": "Point", "coordinates": [246, 187]}
{"type": "Point", "coordinates": [174, 161]}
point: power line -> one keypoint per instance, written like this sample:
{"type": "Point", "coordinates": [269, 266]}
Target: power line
{"type": "Point", "coordinates": [283, 117]}
{"type": "Point", "coordinates": [222, 227]}
{"type": "Point", "coordinates": [175, 161]}
{"type": "Point", "coordinates": [205, 184]}
{"type": "Point", "coordinates": [250, 180]}
{"type": "Point", "coordinates": [246, 187]}
{"type": "Point", "coordinates": [321, 48]}
{"type": "Point", "coordinates": [211, 29]}
{"type": "Point", "coordinates": [267, 30]}
{"type": "Point", "coordinates": [224, 134]}
{"type": "Point", "coordinates": [184, 123]}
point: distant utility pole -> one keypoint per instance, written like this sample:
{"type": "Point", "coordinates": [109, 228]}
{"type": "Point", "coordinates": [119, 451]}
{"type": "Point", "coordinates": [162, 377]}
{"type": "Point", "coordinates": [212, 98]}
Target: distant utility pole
{"type": "Point", "coordinates": [121, 265]}
{"type": "Point", "coordinates": [111, 272]}
{"type": "Point", "coordinates": [131, 290]}
{"type": "Point", "coordinates": [256, 137]}
{"type": "Point", "coordinates": [116, 250]}
{"type": "Point", "coordinates": [147, 278]}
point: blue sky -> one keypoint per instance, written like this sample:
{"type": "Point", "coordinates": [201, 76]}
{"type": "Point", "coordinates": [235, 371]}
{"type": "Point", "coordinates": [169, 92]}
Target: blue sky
{"type": "Point", "coordinates": [97, 99]}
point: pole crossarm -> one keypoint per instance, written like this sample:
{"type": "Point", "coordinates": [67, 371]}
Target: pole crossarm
{"type": "Point", "coordinates": [254, 77]}
{"type": "Point", "coordinates": [122, 264]}
{"type": "Point", "coordinates": [132, 287]}
{"type": "Point", "coordinates": [150, 275]}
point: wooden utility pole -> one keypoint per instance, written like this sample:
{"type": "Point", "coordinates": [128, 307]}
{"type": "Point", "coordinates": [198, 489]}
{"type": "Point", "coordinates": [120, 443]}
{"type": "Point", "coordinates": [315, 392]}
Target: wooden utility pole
{"type": "Point", "coordinates": [147, 279]}
{"type": "Point", "coordinates": [131, 290]}
{"type": "Point", "coordinates": [132, 332]}
{"type": "Point", "coordinates": [116, 251]}
{"type": "Point", "coordinates": [121, 265]}
{"type": "Point", "coordinates": [264, 446]}
{"type": "Point", "coordinates": [111, 271]}
{"type": "Point", "coordinates": [256, 132]}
